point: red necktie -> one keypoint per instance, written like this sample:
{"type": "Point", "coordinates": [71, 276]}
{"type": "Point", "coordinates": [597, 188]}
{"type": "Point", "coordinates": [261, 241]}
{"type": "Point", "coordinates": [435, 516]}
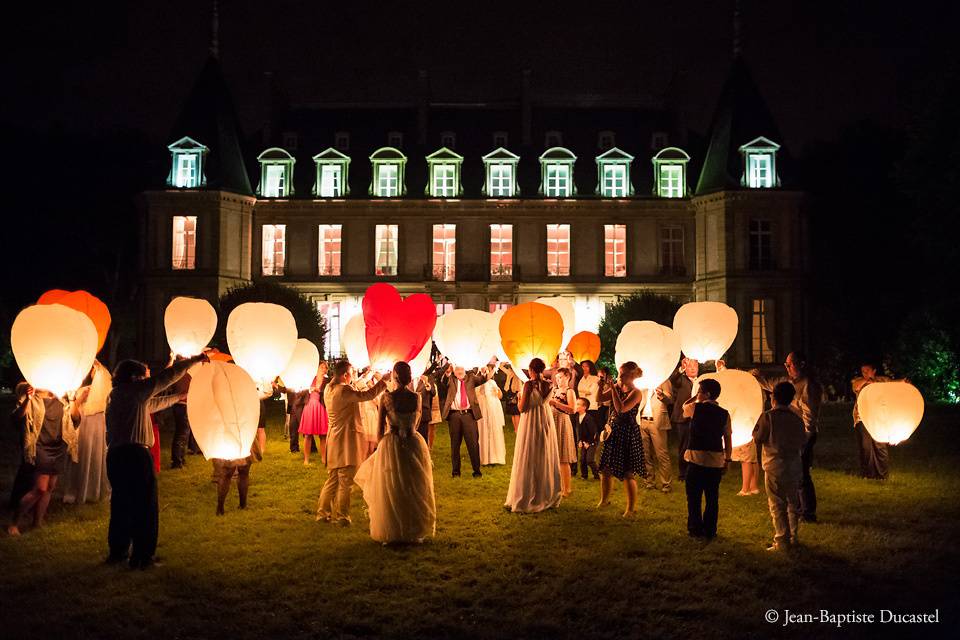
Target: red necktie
{"type": "Point", "coordinates": [463, 395]}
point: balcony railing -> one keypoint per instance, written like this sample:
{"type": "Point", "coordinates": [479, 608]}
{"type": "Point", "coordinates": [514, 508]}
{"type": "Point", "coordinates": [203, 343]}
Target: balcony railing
{"type": "Point", "coordinates": [470, 272]}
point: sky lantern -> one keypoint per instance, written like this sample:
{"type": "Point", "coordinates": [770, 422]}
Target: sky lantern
{"type": "Point", "coordinates": [396, 328]}
{"type": "Point", "coordinates": [419, 364]}
{"type": "Point", "coordinates": [467, 337]}
{"type": "Point", "coordinates": [353, 338]}
{"type": "Point", "coordinates": [531, 330]}
{"type": "Point", "coordinates": [706, 329]}
{"type": "Point", "coordinates": [302, 368]}
{"type": "Point", "coordinates": [568, 313]}
{"type": "Point", "coordinates": [891, 411]}
{"type": "Point", "coordinates": [654, 347]}
{"type": "Point", "coordinates": [223, 407]}
{"type": "Point", "coordinates": [261, 337]}
{"type": "Point", "coordinates": [87, 304]}
{"type": "Point", "coordinates": [741, 395]}
{"type": "Point", "coordinates": [500, 354]}
{"type": "Point", "coordinates": [190, 324]}
{"type": "Point", "coordinates": [54, 346]}
{"type": "Point", "coordinates": [584, 346]}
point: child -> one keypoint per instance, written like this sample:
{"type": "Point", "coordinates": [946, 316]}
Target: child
{"type": "Point", "coordinates": [587, 431]}
{"type": "Point", "coordinates": [707, 456]}
{"type": "Point", "coordinates": [780, 431]}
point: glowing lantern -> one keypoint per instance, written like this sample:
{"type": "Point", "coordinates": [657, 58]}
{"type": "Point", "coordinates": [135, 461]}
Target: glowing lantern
{"type": "Point", "coordinates": [302, 368]}
{"type": "Point", "coordinates": [706, 329]}
{"type": "Point", "coordinates": [531, 330]}
{"type": "Point", "coordinates": [87, 304]}
{"type": "Point", "coordinates": [354, 341]}
{"type": "Point", "coordinates": [741, 395]}
{"type": "Point", "coordinates": [495, 335]}
{"type": "Point", "coordinates": [584, 346]}
{"type": "Point", "coordinates": [891, 411]}
{"type": "Point", "coordinates": [568, 313]}
{"type": "Point", "coordinates": [54, 346]}
{"type": "Point", "coordinates": [261, 337]}
{"type": "Point", "coordinates": [190, 324]}
{"type": "Point", "coordinates": [216, 354]}
{"type": "Point", "coordinates": [654, 347]}
{"type": "Point", "coordinates": [396, 328]}
{"type": "Point", "coordinates": [224, 409]}
{"type": "Point", "coordinates": [467, 337]}
{"type": "Point", "coordinates": [419, 364]}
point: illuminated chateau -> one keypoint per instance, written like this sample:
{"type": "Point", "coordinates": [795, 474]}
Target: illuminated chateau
{"type": "Point", "coordinates": [483, 205]}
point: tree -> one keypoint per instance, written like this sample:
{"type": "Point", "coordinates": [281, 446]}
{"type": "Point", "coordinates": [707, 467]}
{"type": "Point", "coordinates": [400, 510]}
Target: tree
{"type": "Point", "coordinates": [310, 324]}
{"type": "Point", "coordinates": [643, 305]}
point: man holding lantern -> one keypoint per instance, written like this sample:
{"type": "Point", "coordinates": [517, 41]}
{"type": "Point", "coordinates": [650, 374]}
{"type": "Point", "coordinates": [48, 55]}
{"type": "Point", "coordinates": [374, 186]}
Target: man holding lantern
{"type": "Point", "coordinates": [461, 411]}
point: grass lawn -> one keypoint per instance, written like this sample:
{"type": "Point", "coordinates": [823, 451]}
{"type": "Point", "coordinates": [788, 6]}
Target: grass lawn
{"type": "Point", "coordinates": [271, 571]}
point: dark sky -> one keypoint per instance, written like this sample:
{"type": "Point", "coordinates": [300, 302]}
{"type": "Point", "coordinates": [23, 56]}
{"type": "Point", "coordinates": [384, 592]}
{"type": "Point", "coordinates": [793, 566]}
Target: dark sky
{"type": "Point", "coordinates": [102, 67]}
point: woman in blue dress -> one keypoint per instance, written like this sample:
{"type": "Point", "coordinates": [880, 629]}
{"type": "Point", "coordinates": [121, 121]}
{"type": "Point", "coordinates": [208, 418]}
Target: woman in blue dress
{"type": "Point", "coordinates": [622, 455]}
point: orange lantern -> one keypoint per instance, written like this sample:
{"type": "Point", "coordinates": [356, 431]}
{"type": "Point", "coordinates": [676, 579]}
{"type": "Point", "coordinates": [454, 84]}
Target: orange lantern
{"type": "Point", "coordinates": [85, 303]}
{"type": "Point", "coordinates": [531, 330]}
{"type": "Point", "coordinates": [584, 346]}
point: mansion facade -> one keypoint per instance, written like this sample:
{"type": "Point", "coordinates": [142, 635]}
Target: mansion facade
{"type": "Point", "coordinates": [483, 205]}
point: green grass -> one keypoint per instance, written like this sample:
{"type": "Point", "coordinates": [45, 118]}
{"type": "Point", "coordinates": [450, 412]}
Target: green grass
{"type": "Point", "coordinates": [271, 571]}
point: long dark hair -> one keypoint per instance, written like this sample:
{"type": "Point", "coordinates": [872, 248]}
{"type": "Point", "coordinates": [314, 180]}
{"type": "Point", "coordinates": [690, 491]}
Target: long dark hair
{"type": "Point", "coordinates": [593, 367]}
{"type": "Point", "coordinates": [404, 400]}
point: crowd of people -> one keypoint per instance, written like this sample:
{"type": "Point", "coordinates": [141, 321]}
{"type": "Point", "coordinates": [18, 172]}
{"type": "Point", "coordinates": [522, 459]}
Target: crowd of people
{"type": "Point", "coordinates": [378, 431]}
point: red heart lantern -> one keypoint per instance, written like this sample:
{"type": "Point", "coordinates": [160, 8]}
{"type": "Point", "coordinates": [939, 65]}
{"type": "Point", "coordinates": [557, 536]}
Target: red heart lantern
{"type": "Point", "coordinates": [396, 328]}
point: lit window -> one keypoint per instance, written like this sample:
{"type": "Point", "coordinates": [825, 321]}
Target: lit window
{"type": "Point", "coordinates": [444, 307]}
{"type": "Point", "coordinates": [556, 173]}
{"type": "Point", "coordinates": [613, 174]}
{"type": "Point", "coordinates": [499, 306]}
{"type": "Point", "coordinates": [395, 139]}
{"type": "Point", "coordinates": [761, 330]}
{"type": "Point", "coordinates": [341, 141]}
{"type": "Point", "coordinates": [276, 182]}
{"type": "Point", "coordinates": [274, 248]}
{"type": "Point", "coordinates": [671, 181]}
{"type": "Point", "coordinates": [761, 244]}
{"type": "Point", "coordinates": [448, 139]}
{"type": "Point", "coordinates": [501, 252]}
{"type": "Point", "coordinates": [615, 250]}
{"type": "Point", "coordinates": [615, 181]}
{"type": "Point", "coordinates": [606, 140]}
{"type": "Point", "coordinates": [444, 170]}
{"type": "Point", "coordinates": [501, 170]}
{"type": "Point", "coordinates": [388, 169]}
{"type": "Point", "coordinates": [671, 250]}
{"type": "Point", "coordinates": [500, 138]}
{"type": "Point", "coordinates": [387, 186]}
{"type": "Point", "coordinates": [386, 250]}
{"type": "Point", "coordinates": [184, 242]}
{"type": "Point", "coordinates": [276, 173]}
{"type": "Point", "coordinates": [558, 250]}
{"type": "Point", "coordinates": [330, 181]}
{"type": "Point", "coordinates": [186, 171]}
{"type": "Point", "coordinates": [759, 163]}
{"type": "Point", "coordinates": [330, 246]}
{"type": "Point", "coordinates": [558, 181]}
{"type": "Point", "coordinates": [332, 168]}
{"type": "Point", "coordinates": [670, 173]}
{"type": "Point", "coordinates": [553, 139]}
{"type": "Point", "coordinates": [444, 252]}
{"type": "Point", "coordinates": [330, 311]}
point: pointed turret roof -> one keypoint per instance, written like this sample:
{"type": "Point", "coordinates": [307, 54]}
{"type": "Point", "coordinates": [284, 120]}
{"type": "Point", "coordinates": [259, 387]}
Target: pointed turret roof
{"type": "Point", "coordinates": [209, 117]}
{"type": "Point", "coordinates": [741, 116]}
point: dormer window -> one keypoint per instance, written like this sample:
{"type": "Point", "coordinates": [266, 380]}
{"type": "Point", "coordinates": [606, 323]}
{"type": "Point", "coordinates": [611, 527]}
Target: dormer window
{"type": "Point", "coordinates": [388, 173]}
{"type": "Point", "coordinates": [760, 164]}
{"type": "Point", "coordinates": [556, 173]}
{"type": "Point", "coordinates": [670, 173]}
{"type": "Point", "coordinates": [186, 170]}
{"type": "Point", "coordinates": [341, 141]}
{"type": "Point", "coordinates": [444, 174]}
{"type": "Point", "coordinates": [606, 140]}
{"type": "Point", "coordinates": [613, 174]}
{"type": "Point", "coordinates": [553, 139]}
{"type": "Point", "coordinates": [500, 139]}
{"type": "Point", "coordinates": [276, 173]}
{"type": "Point", "coordinates": [395, 139]}
{"type": "Point", "coordinates": [448, 139]}
{"type": "Point", "coordinates": [500, 171]}
{"type": "Point", "coordinates": [332, 174]}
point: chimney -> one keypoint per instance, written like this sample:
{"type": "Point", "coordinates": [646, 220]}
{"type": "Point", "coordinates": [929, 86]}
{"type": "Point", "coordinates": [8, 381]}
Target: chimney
{"type": "Point", "coordinates": [423, 83]}
{"type": "Point", "coordinates": [525, 112]}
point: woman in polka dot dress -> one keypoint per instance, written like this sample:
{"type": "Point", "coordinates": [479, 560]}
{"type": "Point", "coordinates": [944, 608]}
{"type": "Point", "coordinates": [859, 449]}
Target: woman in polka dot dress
{"type": "Point", "coordinates": [622, 455]}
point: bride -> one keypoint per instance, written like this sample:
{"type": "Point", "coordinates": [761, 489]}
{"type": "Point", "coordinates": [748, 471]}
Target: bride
{"type": "Point", "coordinates": [397, 480]}
{"type": "Point", "coordinates": [535, 477]}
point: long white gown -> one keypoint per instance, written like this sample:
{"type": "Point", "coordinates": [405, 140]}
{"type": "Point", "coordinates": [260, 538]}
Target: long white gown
{"type": "Point", "coordinates": [492, 448]}
{"type": "Point", "coordinates": [535, 477]}
{"type": "Point", "coordinates": [397, 480]}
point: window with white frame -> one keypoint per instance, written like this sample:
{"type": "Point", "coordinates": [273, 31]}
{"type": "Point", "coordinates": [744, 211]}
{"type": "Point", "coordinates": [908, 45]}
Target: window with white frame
{"type": "Point", "coordinates": [444, 307]}
{"type": "Point", "coordinates": [388, 165]}
{"type": "Point", "coordinates": [670, 184]}
{"type": "Point", "coordinates": [556, 173]}
{"type": "Point", "coordinates": [184, 242]}
{"type": "Point", "coordinates": [186, 171]}
{"type": "Point", "coordinates": [444, 181]}
{"type": "Point", "coordinates": [386, 250]}
{"type": "Point", "coordinates": [388, 185]}
{"type": "Point", "coordinates": [615, 181]}
{"type": "Point", "coordinates": [331, 181]}
{"type": "Point", "coordinates": [762, 330]}
{"type": "Point", "coordinates": [276, 181]}
{"type": "Point", "coordinates": [558, 250]}
{"type": "Point", "coordinates": [274, 249]}
{"type": "Point", "coordinates": [501, 252]}
{"type": "Point", "coordinates": [330, 249]}
{"type": "Point", "coordinates": [341, 141]}
{"type": "Point", "coordinates": [671, 250]}
{"type": "Point", "coordinates": [761, 244]}
{"type": "Point", "coordinates": [670, 173]}
{"type": "Point", "coordinates": [444, 252]}
{"type": "Point", "coordinates": [276, 173]}
{"type": "Point", "coordinates": [501, 180]}
{"type": "Point", "coordinates": [615, 250]}
{"type": "Point", "coordinates": [558, 181]}
{"type": "Point", "coordinates": [760, 170]}
{"type": "Point", "coordinates": [499, 306]}
{"type": "Point", "coordinates": [330, 311]}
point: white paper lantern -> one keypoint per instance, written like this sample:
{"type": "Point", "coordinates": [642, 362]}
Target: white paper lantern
{"type": "Point", "coordinates": [706, 329]}
{"type": "Point", "coordinates": [654, 347]}
{"type": "Point", "coordinates": [741, 395]}
{"type": "Point", "coordinates": [419, 364]}
{"type": "Point", "coordinates": [498, 352]}
{"type": "Point", "coordinates": [261, 337]}
{"type": "Point", "coordinates": [568, 312]}
{"type": "Point", "coordinates": [224, 409]}
{"type": "Point", "coordinates": [353, 338]}
{"type": "Point", "coordinates": [891, 411]}
{"type": "Point", "coordinates": [54, 346]}
{"type": "Point", "coordinates": [467, 337]}
{"type": "Point", "coordinates": [190, 324]}
{"type": "Point", "coordinates": [302, 368]}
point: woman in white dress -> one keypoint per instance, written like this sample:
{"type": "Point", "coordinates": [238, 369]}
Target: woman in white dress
{"type": "Point", "coordinates": [563, 403]}
{"type": "Point", "coordinates": [492, 448]}
{"type": "Point", "coordinates": [86, 479]}
{"type": "Point", "coordinates": [369, 411]}
{"type": "Point", "coordinates": [397, 480]}
{"type": "Point", "coordinates": [535, 477]}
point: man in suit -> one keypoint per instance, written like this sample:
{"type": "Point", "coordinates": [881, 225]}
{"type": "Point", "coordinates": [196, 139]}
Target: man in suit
{"type": "Point", "coordinates": [587, 433]}
{"type": "Point", "coordinates": [682, 389]}
{"type": "Point", "coordinates": [655, 423]}
{"type": "Point", "coordinates": [346, 441]}
{"type": "Point", "coordinates": [461, 411]}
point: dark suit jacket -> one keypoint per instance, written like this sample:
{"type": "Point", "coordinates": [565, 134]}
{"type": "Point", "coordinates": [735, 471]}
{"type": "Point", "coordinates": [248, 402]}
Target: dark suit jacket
{"type": "Point", "coordinates": [682, 387]}
{"type": "Point", "coordinates": [470, 381]}
{"type": "Point", "coordinates": [587, 428]}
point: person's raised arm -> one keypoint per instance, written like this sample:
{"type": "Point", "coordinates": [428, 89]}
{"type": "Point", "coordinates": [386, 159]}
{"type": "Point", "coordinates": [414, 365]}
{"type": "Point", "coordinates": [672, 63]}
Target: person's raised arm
{"type": "Point", "coordinates": [768, 382]}
{"type": "Point", "coordinates": [631, 400]}
{"type": "Point", "coordinates": [369, 394]}
{"type": "Point", "coordinates": [169, 376]}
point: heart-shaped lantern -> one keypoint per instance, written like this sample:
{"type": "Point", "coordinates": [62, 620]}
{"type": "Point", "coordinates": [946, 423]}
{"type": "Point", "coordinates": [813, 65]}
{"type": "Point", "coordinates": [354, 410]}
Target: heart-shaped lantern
{"type": "Point", "coordinates": [396, 328]}
{"type": "Point", "coordinates": [87, 304]}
